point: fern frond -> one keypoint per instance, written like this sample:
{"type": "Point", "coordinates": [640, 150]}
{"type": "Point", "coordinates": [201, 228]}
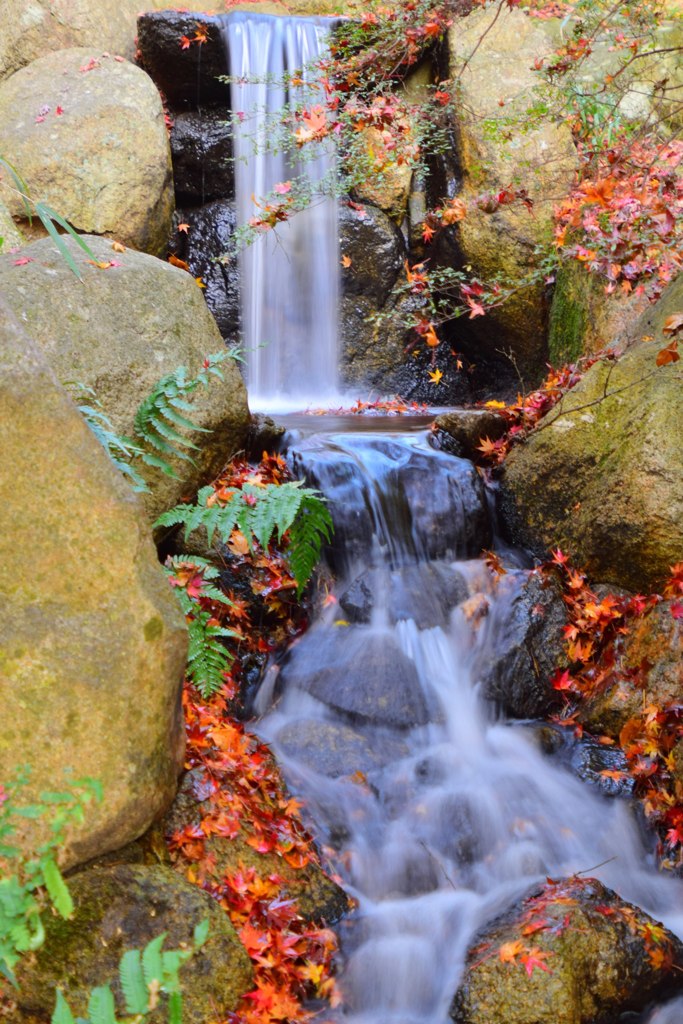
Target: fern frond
{"type": "Point", "coordinates": [133, 984]}
{"type": "Point", "coordinates": [207, 658]}
{"type": "Point", "coordinates": [311, 527]}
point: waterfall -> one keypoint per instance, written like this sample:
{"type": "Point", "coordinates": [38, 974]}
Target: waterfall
{"type": "Point", "coordinates": [440, 813]}
{"type": "Point", "coordinates": [289, 277]}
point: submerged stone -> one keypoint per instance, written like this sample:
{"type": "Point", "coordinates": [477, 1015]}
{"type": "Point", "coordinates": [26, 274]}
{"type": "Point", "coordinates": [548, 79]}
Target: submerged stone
{"type": "Point", "coordinates": [360, 672]}
{"type": "Point", "coordinates": [335, 749]}
{"type": "Point", "coordinates": [424, 593]}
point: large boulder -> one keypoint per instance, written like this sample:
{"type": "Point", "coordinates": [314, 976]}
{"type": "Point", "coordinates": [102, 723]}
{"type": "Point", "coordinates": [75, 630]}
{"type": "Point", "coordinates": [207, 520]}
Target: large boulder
{"type": "Point", "coordinates": [492, 55]}
{"type": "Point", "coordinates": [92, 642]}
{"type": "Point", "coordinates": [125, 907]}
{"type": "Point", "coordinates": [119, 331]}
{"type": "Point", "coordinates": [32, 28]}
{"type": "Point", "coordinates": [602, 474]}
{"type": "Point", "coordinates": [571, 952]}
{"type": "Point", "coordinates": [87, 133]}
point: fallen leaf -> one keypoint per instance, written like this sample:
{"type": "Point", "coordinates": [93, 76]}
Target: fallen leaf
{"type": "Point", "coordinates": [175, 262]}
{"type": "Point", "coordinates": [118, 247]}
{"type": "Point", "coordinates": [673, 324]}
{"type": "Point", "coordinates": [184, 228]}
{"type": "Point", "coordinates": [346, 261]}
{"type": "Point", "coordinates": [667, 355]}
{"type": "Point", "coordinates": [435, 376]}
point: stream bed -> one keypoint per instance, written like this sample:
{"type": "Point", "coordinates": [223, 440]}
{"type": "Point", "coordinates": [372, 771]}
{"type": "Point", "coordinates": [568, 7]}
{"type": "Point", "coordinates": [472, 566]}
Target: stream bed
{"type": "Point", "coordinates": [438, 812]}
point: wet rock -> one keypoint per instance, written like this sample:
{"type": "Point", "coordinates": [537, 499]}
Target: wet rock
{"type": "Point", "coordinates": [602, 477]}
{"type": "Point", "coordinates": [438, 502]}
{"type": "Point", "coordinates": [526, 646]}
{"type": "Point", "coordinates": [425, 593]}
{"type": "Point", "coordinates": [602, 766]}
{"type": "Point", "coordinates": [119, 331]}
{"type": "Point", "coordinates": [318, 898]}
{"type": "Point", "coordinates": [333, 749]}
{"type": "Point", "coordinates": [264, 436]}
{"type": "Point", "coordinates": [389, 188]}
{"type": "Point", "coordinates": [651, 656]}
{"type": "Point", "coordinates": [201, 146]}
{"type": "Point", "coordinates": [376, 249]}
{"type": "Point", "coordinates": [187, 77]}
{"type": "Point", "coordinates": [594, 956]}
{"type": "Point", "coordinates": [361, 672]}
{"type": "Point", "coordinates": [124, 907]}
{"type": "Point", "coordinates": [92, 642]}
{"type": "Point", "coordinates": [468, 427]}
{"type": "Point", "coordinates": [207, 239]}
{"type": "Point", "coordinates": [105, 162]}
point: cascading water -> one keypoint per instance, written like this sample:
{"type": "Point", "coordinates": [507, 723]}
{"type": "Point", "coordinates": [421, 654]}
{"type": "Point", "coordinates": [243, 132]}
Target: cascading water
{"type": "Point", "coordinates": [289, 278]}
{"type": "Point", "coordinates": [440, 814]}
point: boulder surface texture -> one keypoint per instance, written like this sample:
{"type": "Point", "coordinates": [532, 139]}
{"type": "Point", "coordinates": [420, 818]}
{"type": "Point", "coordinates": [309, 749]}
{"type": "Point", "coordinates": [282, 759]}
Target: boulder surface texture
{"type": "Point", "coordinates": [119, 331]}
{"type": "Point", "coordinates": [602, 474]}
{"type": "Point", "coordinates": [491, 56]}
{"type": "Point", "coordinates": [92, 642]}
{"type": "Point", "coordinates": [87, 134]}
{"type": "Point", "coordinates": [125, 907]}
{"type": "Point", "coordinates": [571, 952]}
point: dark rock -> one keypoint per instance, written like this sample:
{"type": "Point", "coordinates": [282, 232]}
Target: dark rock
{"type": "Point", "coordinates": [516, 670]}
{"type": "Point", "coordinates": [264, 436]}
{"type": "Point", "coordinates": [602, 766]}
{"type": "Point", "coordinates": [357, 601]}
{"type": "Point", "coordinates": [420, 503]}
{"type": "Point", "coordinates": [334, 749]}
{"type": "Point", "coordinates": [425, 593]}
{"type": "Point", "coordinates": [201, 146]}
{"type": "Point", "coordinates": [186, 77]}
{"type": "Point", "coordinates": [468, 427]}
{"type": "Point", "coordinates": [207, 240]}
{"type": "Point", "coordinates": [124, 907]}
{"type": "Point", "coordinates": [595, 949]}
{"type": "Point", "coordinates": [361, 672]}
{"type": "Point", "coordinates": [376, 249]}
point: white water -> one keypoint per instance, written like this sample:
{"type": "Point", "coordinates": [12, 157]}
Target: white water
{"type": "Point", "coordinates": [468, 815]}
{"type": "Point", "coordinates": [289, 277]}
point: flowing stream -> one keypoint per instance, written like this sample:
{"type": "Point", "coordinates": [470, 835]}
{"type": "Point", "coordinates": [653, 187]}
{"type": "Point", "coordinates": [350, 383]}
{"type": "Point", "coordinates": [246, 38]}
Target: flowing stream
{"type": "Point", "coordinates": [439, 812]}
{"type": "Point", "coordinates": [289, 278]}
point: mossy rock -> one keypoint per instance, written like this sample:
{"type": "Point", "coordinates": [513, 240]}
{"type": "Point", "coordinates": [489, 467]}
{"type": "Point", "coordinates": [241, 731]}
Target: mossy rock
{"type": "Point", "coordinates": [593, 956]}
{"type": "Point", "coordinates": [92, 642]}
{"type": "Point", "coordinates": [87, 134]}
{"type": "Point", "coordinates": [118, 331]}
{"type": "Point", "coordinates": [125, 907]}
{"type": "Point", "coordinates": [602, 474]}
{"type": "Point", "coordinates": [651, 654]}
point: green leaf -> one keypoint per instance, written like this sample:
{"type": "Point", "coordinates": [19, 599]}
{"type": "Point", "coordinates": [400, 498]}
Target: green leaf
{"type": "Point", "coordinates": [152, 963]}
{"type": "Point", "coordinates": [201, 933]}
{"type": "Point", "coordinates": [175, 1008]}
{"type": "Point", "coordinates": [101, 1008]}
{"type": "Point", "coordinates": [62, 1012]}
{"type": "Point", "coordinates": [57, 888]}
{"type": "Point", "coordinates": [133, 983]}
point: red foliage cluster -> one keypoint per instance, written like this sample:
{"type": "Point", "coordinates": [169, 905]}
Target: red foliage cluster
{"type": "Point", "coordinates": [623, 220]}
{"type": "Point", "coordinates": [649, 738]}
{"type": "Point", "coordinates": [239, 791]}
{"type": "Point", "coordinates": [238, 788]}
{"type": "Point", "coordinates": [395, 406]}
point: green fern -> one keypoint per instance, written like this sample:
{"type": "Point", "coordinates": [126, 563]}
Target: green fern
{"type": "Point", "coordinates": [142, 975]}
{"type": "Point", "coordinates": [162, 416]}
{"type": "Point", "coordinates": [120, 450]}
{"type": "Point", "coordinates": [207, 659]}
{"type": "Point", "coordinates": [260, 513]}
